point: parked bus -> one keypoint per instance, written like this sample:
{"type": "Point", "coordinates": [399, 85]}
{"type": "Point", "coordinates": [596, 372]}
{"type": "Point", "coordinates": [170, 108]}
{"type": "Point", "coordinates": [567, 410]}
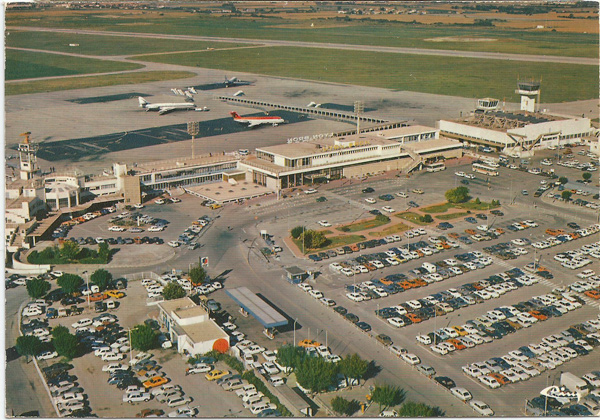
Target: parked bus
{"type": "Point", "coordinates": [484, 169]}
{"type": "Point", "coordinates": [434, 167]}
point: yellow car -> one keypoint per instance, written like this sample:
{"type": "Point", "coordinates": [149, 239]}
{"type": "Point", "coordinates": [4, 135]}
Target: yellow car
{"type": "Point", "coordinates": [309, 343]}
{"type": "Point", "coordinates": [115, 294]}
{"type": "Point", "coordinates": [216, 374]}
{"type": "Point", "coordinates": [460, 330]}
{"type": "Point", "coordinates": [155, 381]}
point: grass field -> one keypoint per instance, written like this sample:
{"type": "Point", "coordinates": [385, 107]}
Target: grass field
{"type": "Point", "coordinates": [451, 216]}
{"type": "Point", "coordinates": [93, 81]}
{"type": "Point", "coordinates": [397, 228]}
{"type": "Point", "coordinates": [332, 242]}
{"type": "Point", "coordinates": [367, 224]}
{"type": "Point", "coordinates": [105, 45]}
{"type": "Point", "coordinates": [374, 32]}
{"type": "Point", "coordinates": [463, 77]}
{"type": "Point", "coordinates": [411, 217]}
{"type": "Point", "coordinates": [26, 64]}
{"type": "Point", "coordinates": [470, 205]}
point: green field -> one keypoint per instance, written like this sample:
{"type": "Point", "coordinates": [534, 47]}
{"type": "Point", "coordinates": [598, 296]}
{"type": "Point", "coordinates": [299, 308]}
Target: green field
{"type": "Point", "coordinates": [411, 217]}
{"type": "Point", "coordinates": [465, 77]}
{"type": "Point", "coordinates": [451, 216]}
{"type": "Point", "coordinates": [105, 45]}
{"type": "Point", "coordinates": [395, 34]}
{"type": "Point", "coordinates": [27, 64]}
{"type": "Point", "coordinates": [367, 224]}
{"type": "Point", "coordinates": [397, 228]}
{"type": "Point", "coordinates": [93, 81]}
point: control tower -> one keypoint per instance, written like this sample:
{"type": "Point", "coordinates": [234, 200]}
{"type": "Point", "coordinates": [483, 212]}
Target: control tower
{"type": "Point", "coordinates": [27, 157]}
{"type": "Point", "coordinates": [528, 90]}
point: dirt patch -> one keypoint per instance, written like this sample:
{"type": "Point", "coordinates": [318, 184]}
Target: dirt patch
{"type": "Point", "coordinates": [459, 39]}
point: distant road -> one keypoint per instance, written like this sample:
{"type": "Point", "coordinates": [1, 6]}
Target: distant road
{"type": "Point", "coordinates": [394, 50]}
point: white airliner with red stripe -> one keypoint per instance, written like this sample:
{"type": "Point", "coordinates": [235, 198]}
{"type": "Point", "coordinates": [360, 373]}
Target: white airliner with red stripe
{"type": "Point", "coordinates": [255, 121]}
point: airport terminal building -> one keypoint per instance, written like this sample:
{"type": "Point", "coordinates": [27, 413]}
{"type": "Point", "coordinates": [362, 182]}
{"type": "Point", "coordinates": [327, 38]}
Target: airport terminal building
{"type": "Point", "coordinates": [517, 132]}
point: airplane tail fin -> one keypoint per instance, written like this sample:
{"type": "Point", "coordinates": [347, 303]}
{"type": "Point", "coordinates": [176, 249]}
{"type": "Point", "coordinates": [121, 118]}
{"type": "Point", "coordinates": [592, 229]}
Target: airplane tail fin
{"type": "Point", "coordinates": [142, 101]}
{"type": "Point", "coordinates": [234, 114]}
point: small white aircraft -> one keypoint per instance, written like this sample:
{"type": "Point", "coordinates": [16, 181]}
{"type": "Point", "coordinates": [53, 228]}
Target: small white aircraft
{"type": "Point", "coordinates": [167, 107]}
{"type": "Point", "coordinates": [311, 104]}
{"type": "Point", "coordinates": [239, 93]}
{"type": "Point", "coordinates": [231, 82]}
{"type": "Point", "coordinates": [256, 121]}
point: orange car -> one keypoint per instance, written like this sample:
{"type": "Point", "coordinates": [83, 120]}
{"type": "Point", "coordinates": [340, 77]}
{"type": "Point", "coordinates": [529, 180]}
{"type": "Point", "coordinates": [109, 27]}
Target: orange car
{"type": "Point", "coordinates": [96, 297]}
{"type": "Point", "coordinates": [454, 235]}
{"type": "Point", "coordinates": [309, 343]}
{"type": "Point", "coordinates": [575, 235]}
{"type": "Point", "coordinates": [420, 253]}
{"type": "Point", "coordinates": [500, 231]}
{"type": "Point", "coordinates": [414, 319]}
{"type": "Point", "coordinates": [457, 343]}
{"type": "Point", "coordinates": [155, 381]}
{"type": "Point", "coordinates": [554, 232]}
{"type": "Point", "coordinates": [354, 248]}
{"type": "Point", "coordinates": [594, 294]}
{"type": "Point", "coordinates": [370, 266]}
{"type": "Point", "coordinates": [470, 231]}
{"type": "Point", "coordinates": [406, 285]}
{"type": "Point", "coordinates": [538, 315]}
{"type": "Point", "coordinates": [502, 380]}
{"type": "Point", "coordinates": [385, 281]}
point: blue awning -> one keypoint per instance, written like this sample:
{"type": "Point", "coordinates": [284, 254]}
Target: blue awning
{"type": "Point", "coordinates": [258, 308]}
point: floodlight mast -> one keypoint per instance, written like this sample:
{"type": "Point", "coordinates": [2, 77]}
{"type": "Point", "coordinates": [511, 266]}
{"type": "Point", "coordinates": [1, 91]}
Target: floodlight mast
{"type": "Point", "coordinates": [193, 128]}
{"type": "Point", "coordinates": [359, 108]}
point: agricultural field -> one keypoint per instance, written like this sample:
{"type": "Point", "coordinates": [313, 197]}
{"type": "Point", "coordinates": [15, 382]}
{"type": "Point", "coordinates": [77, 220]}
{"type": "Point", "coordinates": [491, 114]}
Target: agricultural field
{"type": "Point", "coordinates": [452, 76]}
{"type": "Point", "coordinates": [105, 45]}
{"type": "Point", "coordinates": [27, 64]}
{"type": "Point", "coordinates": [303, 27]}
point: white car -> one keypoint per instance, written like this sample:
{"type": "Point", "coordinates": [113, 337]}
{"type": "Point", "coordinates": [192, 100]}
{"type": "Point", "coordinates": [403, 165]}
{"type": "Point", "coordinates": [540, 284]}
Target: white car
{"type": "Point", "coordinates": [84, 322]}
{"type": "Point", "coordinates": [199, 368]}
{"type": "Point", "coordinates": [173, 244]}
{"type": "Point", "coordinates": [402, 194]}
{"type": "Point", "coordinates": [113, 367]}
{"type": "Point", "coordinates": [56, 273]}
{"type": "Point", "coordinates": [111, 357]}
{"type": "Point", "coordinates": [327, 301]}
{"type": "Point", "coordinates": [324, 223]}
{"type": "Point", "coordinates": [460, 173]}
{"type": "Point", "coordinates": [370, 200]}
{"type": "Point", "coordinates": [305, 287]}
{"type": "Point", "coordinates": [32, 311]}
{"type": "Point", "coordinates": [388, 209]}
{"type": "Point", "coordinates": [116, 229]}
{"type": "Point", "coordinates": [156, 228]}
{"type": "Point", "coordinates": [461, 393]}
{"type": "Point", "coordinates": [184, 411]}
{"type": "Point", "coordinates": [136, 397]}
{"type": "Point", "coordinates": [411, 358]}
{"type": "Point", "coordinates": [310, 191]}
{"type": "Point", "coordinates": [481, 408]}
{"type": "Point", "coordinates": [47, 355]}
{"type": "Point", "coordinates": [396, 322]}
{"type": "Point", "coordinates": [315, 293]}
{"type": "Point", "coordinates": [356, 297]}
{"type": "Point", "coordinates": [424, 339]}
{"type": "Point", "coordinates": [178, 400]}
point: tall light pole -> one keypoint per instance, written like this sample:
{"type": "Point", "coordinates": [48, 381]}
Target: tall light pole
{"type": "Point", "coordinates": [193, 130]}
{"type": "Point", "coordinates": [87, 283]}
{"type": "Point", "coordinates": [295, 320]}
{"type": "Point", "coordinates": [359, 108]}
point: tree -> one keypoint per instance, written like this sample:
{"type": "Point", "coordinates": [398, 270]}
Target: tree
{"type": "Point", "coordinates": [313, 239]}
{"type": "Point", "coordinates": [566, 195]}
{"type": "Point", "coordinates": [586, 176]}
{"type": "Point", "coordinates": [344, 407]}
{"type": "Point", "coordinates": [352, 366]}
{"type": "Point", "coordinates": [144, 338]}
{"type": "Point", "coordinates": [69, 250]}
{"type": "Point", "coordinates": [316, 374]}
{"type": "Point", "coordinates": [387, 396]}
{"type": "Point", "coordinates": [457, 195]}
{"type": "Point", "coordinates": [69, 282]}
{"type": "Point", "coordinates": [197, 275]}
{"type": "Point", "coordinates": [28, 345]}
{"type": "Point", "coordinates": [290, 356]}
{"type": "Point", "coordinates": [104, 252]}
{"type": "Point", "coordinates": [37, 288]}
{"type": "Point", "coordinates": [382, 218]}
{"type": "Point", "coordinates": [101, 278]}
{"type": "Point", "coordinates": [426, 218]}
{"type": "Point", "coordinates": [477, 201]}
{"type": "Point", "coordinates": [173, 291]}
{"type": "Point", "coordinates": [413, 409]}
{"type": "Point", "coordinates": [65, 343]}
{"type": "Point", "coordinates": [563, 180]}
{"type": "Point", "coordinates": [297, 231]}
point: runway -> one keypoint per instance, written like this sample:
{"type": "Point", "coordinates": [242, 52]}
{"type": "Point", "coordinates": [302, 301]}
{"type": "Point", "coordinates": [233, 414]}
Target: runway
{"type": "Point", "coordinates": [371, 48]}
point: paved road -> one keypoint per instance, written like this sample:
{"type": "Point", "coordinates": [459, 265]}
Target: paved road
{"type": "Point", "coordinates": [26, 391]}
{"type": "Point", "coordinates": [394, 50]}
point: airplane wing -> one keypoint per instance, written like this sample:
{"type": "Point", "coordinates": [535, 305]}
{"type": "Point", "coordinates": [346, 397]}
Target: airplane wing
{"type": "Point", "coordinates": [165, 110]}
{"type": "Point", "coordinates": [253, 124]}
